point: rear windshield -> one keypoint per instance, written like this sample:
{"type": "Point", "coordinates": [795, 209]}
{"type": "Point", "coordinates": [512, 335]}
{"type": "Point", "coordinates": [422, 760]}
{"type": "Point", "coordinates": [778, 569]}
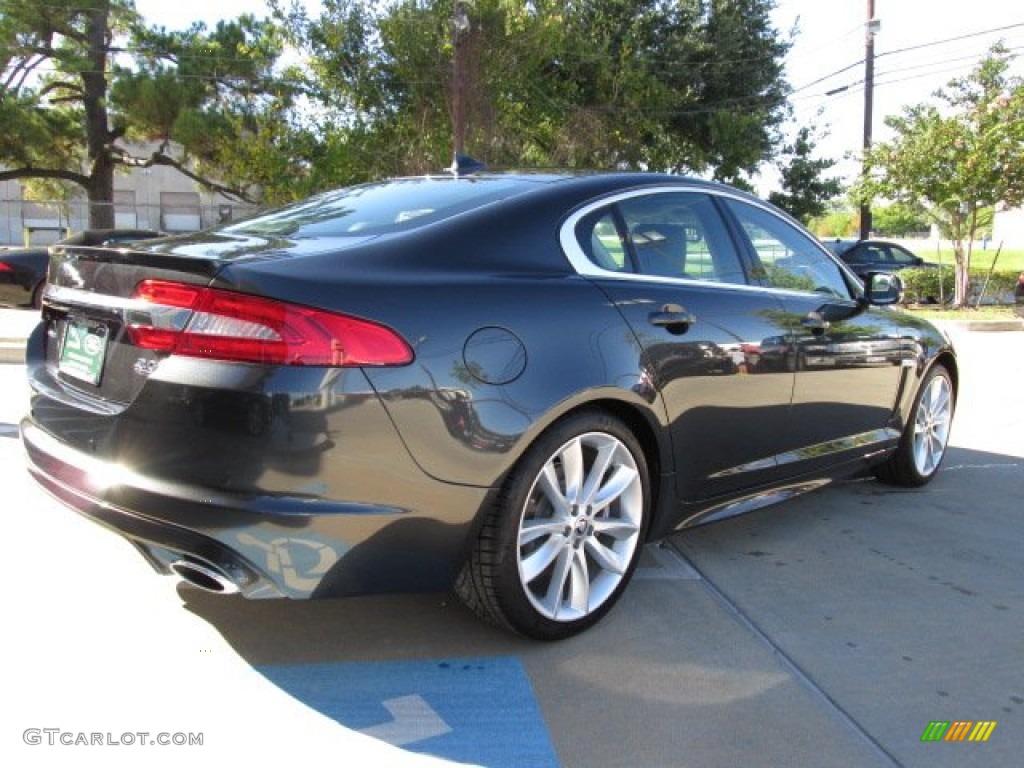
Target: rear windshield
{"type": "Point", "coordinates": [381, 208]}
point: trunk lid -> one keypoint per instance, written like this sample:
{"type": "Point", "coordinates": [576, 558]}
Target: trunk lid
{"type": "Point", "coordinates": [89, 303]}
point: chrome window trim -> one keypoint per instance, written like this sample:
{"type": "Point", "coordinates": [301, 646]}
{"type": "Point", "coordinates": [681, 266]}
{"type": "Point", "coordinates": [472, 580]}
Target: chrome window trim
{"type": "Point", "coordinates": [584, 267]}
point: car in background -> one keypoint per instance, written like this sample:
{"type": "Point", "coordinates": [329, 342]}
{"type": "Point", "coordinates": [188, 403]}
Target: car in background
{"type": "Point", "coordinates": [501, 384]}
{"type": "Point", "coordinates": [23, 270]}
{"type": "Point", "coordinates": [22, 275]}
{"type": "Point", "coordinates": [108, 237]}
{"type": "Point", "coordinates": [866, 256]}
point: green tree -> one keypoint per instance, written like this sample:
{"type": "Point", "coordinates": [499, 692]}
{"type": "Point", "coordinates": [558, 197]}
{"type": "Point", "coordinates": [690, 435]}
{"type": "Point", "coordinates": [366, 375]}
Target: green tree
{"type": "Point", "coordinates": [691, 85]}
{"type": "Point", "coordinates": [805, 192]}
{"type": "Point", "coordinates": [218, 107]}
{"type": "Point", "coordinates": [899, 219]}
{"type": "Point", "coordinates": [82, 83]}
{"type": "Point", "coordinates": [836, 222]}
{"type": "Point", "coordinates": [957, 159]}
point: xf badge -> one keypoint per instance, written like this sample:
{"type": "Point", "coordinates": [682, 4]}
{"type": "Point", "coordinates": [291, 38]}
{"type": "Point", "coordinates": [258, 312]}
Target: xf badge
{"type": "Point", "coordinates": [144, 367]}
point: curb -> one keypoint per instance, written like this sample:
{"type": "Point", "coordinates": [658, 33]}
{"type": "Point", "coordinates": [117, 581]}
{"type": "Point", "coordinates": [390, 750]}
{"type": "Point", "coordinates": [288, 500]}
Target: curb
{"type": "Point", "coordinates": [995, 325]}
{"type": "Point", "coordinates": [988, 325]}
{"type": "Point", "coordinates": [12, 351]}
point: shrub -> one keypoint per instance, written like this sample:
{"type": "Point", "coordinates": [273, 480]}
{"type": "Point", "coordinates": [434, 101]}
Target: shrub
{"type": "Point", "coordinates": [921, 285]}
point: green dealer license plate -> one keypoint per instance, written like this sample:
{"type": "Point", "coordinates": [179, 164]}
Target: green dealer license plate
{"type": "Point", "coordinates": [83, 350]}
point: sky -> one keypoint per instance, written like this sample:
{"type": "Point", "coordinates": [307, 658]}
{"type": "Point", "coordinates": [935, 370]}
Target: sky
{"type": "Point", "coordinates": [827, 54]}
{"type": "Point", "coordinates": [832, 37]}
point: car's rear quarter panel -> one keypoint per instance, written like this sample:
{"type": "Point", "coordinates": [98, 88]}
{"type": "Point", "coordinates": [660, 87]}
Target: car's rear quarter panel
{"type": "Point", "coordinates": [500, 274]}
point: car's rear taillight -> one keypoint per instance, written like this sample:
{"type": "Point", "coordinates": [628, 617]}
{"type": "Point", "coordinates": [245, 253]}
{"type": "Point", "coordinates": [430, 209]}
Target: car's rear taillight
{"type": "Point", "coordinates": [222, 325]}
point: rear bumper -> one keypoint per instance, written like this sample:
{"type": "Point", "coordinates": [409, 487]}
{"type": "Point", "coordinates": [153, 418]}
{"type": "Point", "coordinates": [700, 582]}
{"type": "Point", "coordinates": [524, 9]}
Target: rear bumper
{"type": "Point", "coordinates": [267, 546]}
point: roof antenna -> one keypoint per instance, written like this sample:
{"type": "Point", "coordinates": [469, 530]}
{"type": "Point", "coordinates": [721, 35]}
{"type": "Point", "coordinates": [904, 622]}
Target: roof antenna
{"type": "Point", "coordinates": [464, 165]}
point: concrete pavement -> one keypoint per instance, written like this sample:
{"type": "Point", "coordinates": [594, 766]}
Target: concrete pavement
{"type": "Point", "coordinates": [829, 631]}
{"type": "Point", "coordinates": [15, 326]}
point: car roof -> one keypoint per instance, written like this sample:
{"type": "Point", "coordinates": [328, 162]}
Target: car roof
{"type": "Point", "coordinates": [403, 204]}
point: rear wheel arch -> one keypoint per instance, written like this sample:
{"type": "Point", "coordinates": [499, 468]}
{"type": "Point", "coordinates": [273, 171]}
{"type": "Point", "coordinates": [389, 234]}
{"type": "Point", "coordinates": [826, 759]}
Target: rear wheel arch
{"type": "Point", "coordinates": [657, 453]}
{"type": "Point", "coordinates": [644, 425]}
{"type": "Point", "coordinates": [596, 533]}
{"type": "Point", "coordinates": [641, 419]}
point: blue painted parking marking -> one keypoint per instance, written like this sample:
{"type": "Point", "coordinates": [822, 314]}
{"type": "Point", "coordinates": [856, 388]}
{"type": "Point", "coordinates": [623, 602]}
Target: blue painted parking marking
{"type": "Point", "coordinates": [476, 710]}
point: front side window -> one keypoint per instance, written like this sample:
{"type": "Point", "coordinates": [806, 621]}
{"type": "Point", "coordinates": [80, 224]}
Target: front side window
{"type": "Point", "coordinates": [902, 257]}
{"type": "Point", "coordinates": [786, 257]}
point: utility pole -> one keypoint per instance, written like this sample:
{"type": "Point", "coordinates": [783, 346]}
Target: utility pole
{"type": "Point", "coordinates": [460, 32]}
{"type": "Point", "coordinates": [870, 29]}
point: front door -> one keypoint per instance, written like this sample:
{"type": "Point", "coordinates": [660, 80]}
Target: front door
{"type": "Point", "coordinates": [848, 358]}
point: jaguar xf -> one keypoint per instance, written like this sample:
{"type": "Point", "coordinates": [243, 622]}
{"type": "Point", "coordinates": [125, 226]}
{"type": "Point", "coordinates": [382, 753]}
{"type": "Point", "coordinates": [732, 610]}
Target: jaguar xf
{"type": "Point", "coordinates": [501, 384]}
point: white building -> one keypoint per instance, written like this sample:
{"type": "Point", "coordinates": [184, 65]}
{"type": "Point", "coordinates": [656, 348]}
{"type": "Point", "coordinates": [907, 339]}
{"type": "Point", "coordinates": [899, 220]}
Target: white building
{"type": "Point", "coordinates": [1008, 228]}
{"type": "Point", "coordinates": [144, 198]}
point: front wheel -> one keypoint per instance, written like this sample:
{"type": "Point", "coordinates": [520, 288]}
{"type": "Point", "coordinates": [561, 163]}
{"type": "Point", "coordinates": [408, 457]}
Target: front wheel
{"type": "Point", "coordinates": [924, 440]}
{"type": "Point", "coordinates": [559, 546]}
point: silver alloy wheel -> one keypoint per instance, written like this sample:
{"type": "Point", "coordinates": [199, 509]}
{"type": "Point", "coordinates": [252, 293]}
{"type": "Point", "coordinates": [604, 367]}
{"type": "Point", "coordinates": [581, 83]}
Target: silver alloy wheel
{"type": "Point", "coordinates": [931, 425]}
{"type": "Point", "coordinates": [580, 526]}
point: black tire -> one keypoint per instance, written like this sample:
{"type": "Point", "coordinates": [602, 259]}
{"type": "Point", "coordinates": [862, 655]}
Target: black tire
{"type": "Point", "coordinates": [37, 295]}
{"type": "Point", "coordinates": [549, 568]}
{"type": "Point", "coordinates": [923, 444]}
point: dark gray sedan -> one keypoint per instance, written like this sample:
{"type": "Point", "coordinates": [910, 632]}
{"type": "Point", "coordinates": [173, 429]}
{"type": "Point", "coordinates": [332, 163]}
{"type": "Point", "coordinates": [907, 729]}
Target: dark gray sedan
{"type": "Point", "coordinates": [866, 256]}
{"type": "Point", "coordinates": [23, 270]}
{"type": "Point", "coordinates": [504, 384]}
{"type": "Point", "coordinates": [22, 275]}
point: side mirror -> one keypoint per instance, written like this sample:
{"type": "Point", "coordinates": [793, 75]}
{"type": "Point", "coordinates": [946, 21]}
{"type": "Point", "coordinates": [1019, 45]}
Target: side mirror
{"type": "Point", "coordinates": [883, 289]}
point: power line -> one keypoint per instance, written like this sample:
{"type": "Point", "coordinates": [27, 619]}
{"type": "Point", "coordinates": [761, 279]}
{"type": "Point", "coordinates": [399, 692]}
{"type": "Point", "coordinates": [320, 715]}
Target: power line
{"type": "Point", "coordinates": [828, 76]}
{"type": "Point", "coordinates": [951, 39]}
{"type": "Point", "coordinates": [920, 46]}
{"type": "Point", "coordinates": [934, 68]}
{"type": "Point", "coordinates": [941, 65]}
{"type": "Point", "coordinates": [827, 44]}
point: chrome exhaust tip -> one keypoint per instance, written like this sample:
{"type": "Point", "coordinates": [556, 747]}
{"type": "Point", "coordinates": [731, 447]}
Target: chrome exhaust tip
{"type": "Point", "coordinates": [205, 576]}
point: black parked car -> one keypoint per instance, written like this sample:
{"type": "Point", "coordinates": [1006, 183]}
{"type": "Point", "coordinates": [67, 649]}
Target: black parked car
{"type": "Point", "coordinates": [23, 270]}
{"type": "Point", "coordinates": [22, 275]}
{"type": "Point", "coordinates": [865, 256]}
{"type": "Point", "coordinates": [505, 383]}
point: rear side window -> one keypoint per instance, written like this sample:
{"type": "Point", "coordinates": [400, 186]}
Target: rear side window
{"type": "Point", "coordinates": [877, 254]}
{"type": "Point", "coordinates": [379, 209]}
{"type": "Point", "coordinates": [605, 245]}
{"type": "Point", "coordinates": [680, 234]}
{"type": "Point", "coordinates": [666, 234]}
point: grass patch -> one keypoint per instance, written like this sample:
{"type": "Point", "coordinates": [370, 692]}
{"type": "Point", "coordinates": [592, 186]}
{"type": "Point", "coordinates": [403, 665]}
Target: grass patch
{"type": "Point", "coordinates": [1009, 259]}
{"type": "Point", "coordinates": [985, 312]}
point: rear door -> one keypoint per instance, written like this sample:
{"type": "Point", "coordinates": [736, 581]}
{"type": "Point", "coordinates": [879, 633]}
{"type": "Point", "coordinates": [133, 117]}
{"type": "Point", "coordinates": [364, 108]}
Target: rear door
{"type": "Point", "coordinates": [668, 263]}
